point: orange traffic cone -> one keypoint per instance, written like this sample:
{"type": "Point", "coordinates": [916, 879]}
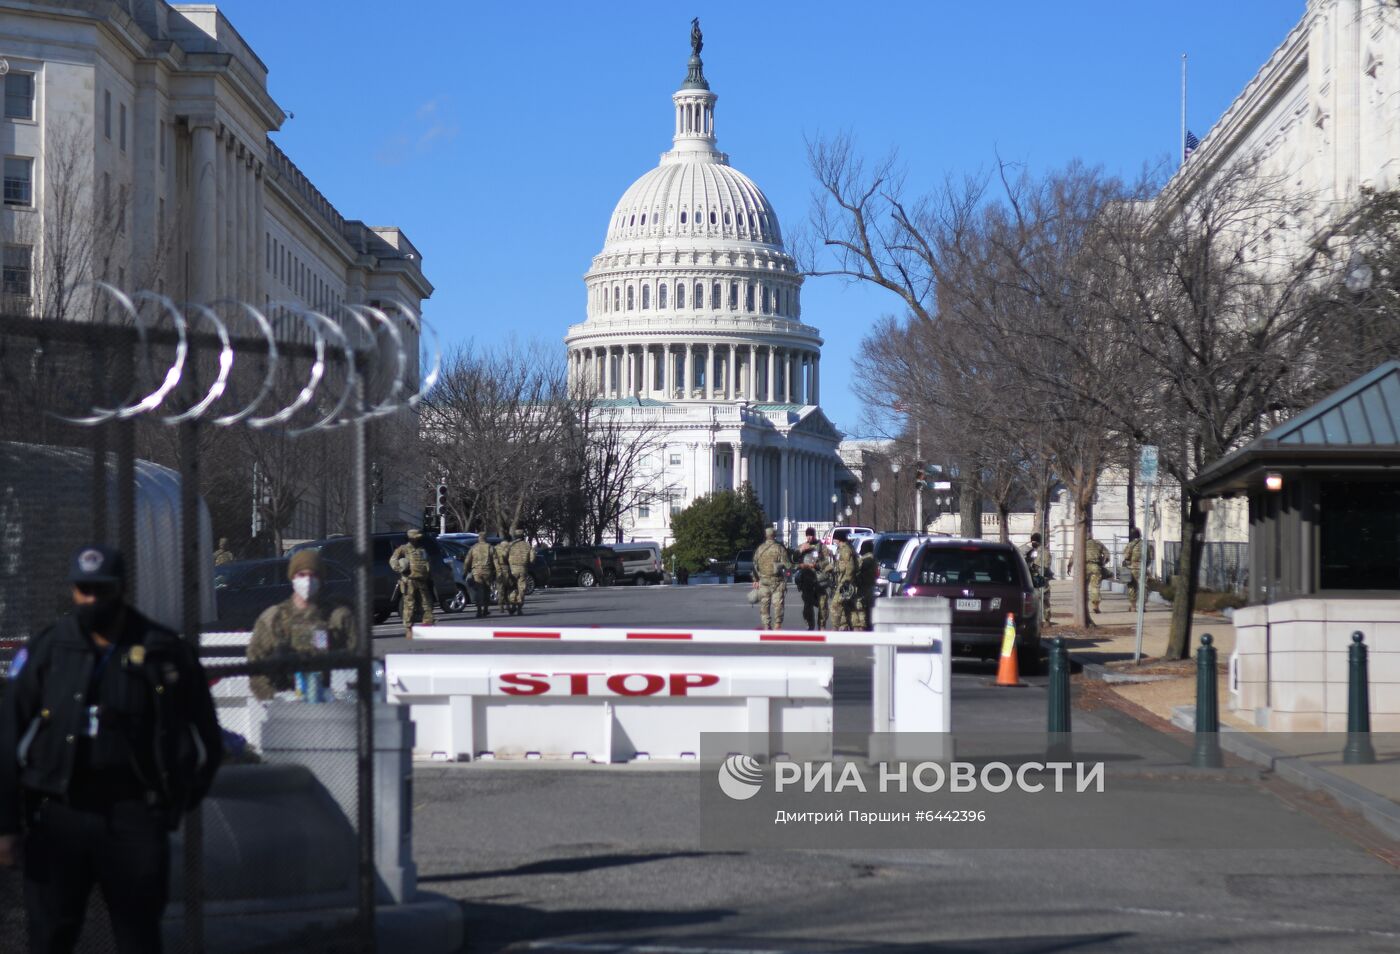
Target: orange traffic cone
{"type": "Point", "coordinates": [1008, 671]}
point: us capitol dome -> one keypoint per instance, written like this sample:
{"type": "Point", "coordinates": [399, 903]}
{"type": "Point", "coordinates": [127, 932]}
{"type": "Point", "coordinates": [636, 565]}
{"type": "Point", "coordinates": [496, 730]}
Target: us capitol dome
{"type": "Point", "coordinates": [694, 324]}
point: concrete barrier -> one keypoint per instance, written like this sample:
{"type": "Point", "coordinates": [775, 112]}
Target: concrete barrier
{"type": "Point", "coordinates": [607, 708]}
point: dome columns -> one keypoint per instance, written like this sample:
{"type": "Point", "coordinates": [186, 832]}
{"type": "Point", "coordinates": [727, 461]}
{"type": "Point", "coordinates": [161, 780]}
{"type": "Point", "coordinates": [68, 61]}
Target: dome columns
{"type": "Point", "coordinates": [689, 370]}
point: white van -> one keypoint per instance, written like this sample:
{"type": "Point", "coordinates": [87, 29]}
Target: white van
{"type": "Point", "coordinates": [641, 562]}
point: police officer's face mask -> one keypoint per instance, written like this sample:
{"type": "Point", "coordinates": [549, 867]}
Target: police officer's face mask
{"type": "Point", "coordinates": [99, 615]}
{"type": "Point", "coordinates": [305, 585]}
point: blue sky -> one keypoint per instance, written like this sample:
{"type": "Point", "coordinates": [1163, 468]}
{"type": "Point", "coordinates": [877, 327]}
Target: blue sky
{"type": "Point", "coordinates": [500, 135]}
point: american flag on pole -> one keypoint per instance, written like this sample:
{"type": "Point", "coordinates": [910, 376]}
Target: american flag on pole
{"type": "Point", "coordinates": [1191, 143]}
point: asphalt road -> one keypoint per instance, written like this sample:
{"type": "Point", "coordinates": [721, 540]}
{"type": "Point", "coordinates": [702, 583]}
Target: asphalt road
{"type": "Point", "coordinates": [577, 858]}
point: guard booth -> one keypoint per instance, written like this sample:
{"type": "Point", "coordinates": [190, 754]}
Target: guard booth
{"type": "Point", "coordinates": [1324, 535]}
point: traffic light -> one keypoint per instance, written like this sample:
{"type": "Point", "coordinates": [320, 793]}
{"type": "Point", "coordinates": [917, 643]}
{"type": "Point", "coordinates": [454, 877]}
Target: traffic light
{"type": "Point", "coordinates": [442, 499]}
{"type": "Point", "coordinates": [920, 475]}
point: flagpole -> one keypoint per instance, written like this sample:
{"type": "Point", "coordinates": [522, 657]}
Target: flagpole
{"type": "Point", "coordinates": [1181, 156]}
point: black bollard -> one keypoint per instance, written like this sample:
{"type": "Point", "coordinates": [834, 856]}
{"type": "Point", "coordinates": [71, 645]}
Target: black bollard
{"type": "Point", "coordinates": [1206, 753]}
{"type": "Point", "coordinates": [1359, 750]}
{"type": "Point", "coordinates": [1058, 715]}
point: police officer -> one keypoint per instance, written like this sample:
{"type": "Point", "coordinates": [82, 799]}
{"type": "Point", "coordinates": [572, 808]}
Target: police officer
{"type": "Point", "coordinates": [223, 554]}
{"type": "Point", "coordinates": [769, 562]}
{"type": "Point", "coordinates": [302, 623]}
{"type": "Point", "coordinates": [481, 564]}
{"type": "Point", "coordinates": [98, 761]}
{"type": "Point", "coordinates": [519, 558]}
{"type": "Point", "coordinates": [846, 572]}
{"type": "Point", "coordinates": [410, 562]}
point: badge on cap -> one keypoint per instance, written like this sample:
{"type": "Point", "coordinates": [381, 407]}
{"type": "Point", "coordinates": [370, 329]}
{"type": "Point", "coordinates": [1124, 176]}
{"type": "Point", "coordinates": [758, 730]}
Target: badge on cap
{"type": "Point", "coordinates": [136, 655]}
{"type": "Point", "coordinates": [90, 561]}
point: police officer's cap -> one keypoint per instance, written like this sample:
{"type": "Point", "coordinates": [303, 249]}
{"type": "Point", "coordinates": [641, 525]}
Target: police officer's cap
{"type": "Point", "coordinates": [97, 564]}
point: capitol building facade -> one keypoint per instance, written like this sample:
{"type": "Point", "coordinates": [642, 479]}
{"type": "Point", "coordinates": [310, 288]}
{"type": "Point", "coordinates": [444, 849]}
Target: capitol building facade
{"type": "Point", "coordinates": [694, 336]}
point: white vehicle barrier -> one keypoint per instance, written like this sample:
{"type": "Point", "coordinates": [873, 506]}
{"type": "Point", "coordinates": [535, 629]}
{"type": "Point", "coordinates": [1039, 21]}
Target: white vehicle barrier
{"type": "Point", "coordinates": [606, 708]}
{"type": "Point", "coordinates": [649, 707]}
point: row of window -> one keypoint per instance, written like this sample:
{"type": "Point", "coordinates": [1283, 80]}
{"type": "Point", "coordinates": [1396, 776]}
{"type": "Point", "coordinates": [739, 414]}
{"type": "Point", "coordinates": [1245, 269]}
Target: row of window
{"type": "Point", "coordinates": [754, 224]}
{"type": "Point", "coordinates": [286, 266]}
{"type": "Point", "coordinates": [19, 95]}
{"type": "Point", "coordinates": [775, 300]}
{"type": "Point", "coordinates": [17, 271]}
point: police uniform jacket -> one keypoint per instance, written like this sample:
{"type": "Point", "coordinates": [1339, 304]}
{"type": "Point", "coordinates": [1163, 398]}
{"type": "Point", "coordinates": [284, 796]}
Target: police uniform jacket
{"type": "Point", "coordinates": [156, 721]}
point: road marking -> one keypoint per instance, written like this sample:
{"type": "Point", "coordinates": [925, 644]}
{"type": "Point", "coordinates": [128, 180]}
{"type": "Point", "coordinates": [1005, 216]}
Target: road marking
{"type": "Point", "coordinates": [1153, 912]}
{"type": "Point", "coordinates": [595, 948]}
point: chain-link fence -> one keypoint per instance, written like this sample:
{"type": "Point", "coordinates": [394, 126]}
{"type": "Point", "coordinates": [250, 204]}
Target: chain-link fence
{"type": "Point", "coordinates": [129, 422]}
{"type": "Point", "coordinates": [1224, 567]}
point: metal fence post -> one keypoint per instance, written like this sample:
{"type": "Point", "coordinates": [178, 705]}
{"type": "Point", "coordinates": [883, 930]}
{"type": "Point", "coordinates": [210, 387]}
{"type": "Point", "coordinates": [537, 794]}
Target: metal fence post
{"type": "Point", "coordinates": [1359, 750]}
{"type": "Point", "coordinates": [1058, 716]}
{"type": "Point", "coordinates": [190, 558]}
{"type": "Point", "coordinates": [1206, 753]}
{"type": "Point", "coordinates": [364, 670]}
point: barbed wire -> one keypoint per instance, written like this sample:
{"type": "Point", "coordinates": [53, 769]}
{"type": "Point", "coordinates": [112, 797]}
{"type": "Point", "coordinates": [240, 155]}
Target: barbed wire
{"type": "Point", "coordinates": [318, 358]}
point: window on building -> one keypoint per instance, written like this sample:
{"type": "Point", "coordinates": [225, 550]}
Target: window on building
{"type": "Point", "coordinates": [660, 296]}
{"type": "Point", "coordinates": [121, 277]}
{"type": "Point", "coordinates": [631, 299]}
{"type": "Point", "coordinates": [699, 295]}
{"type": "Point", "coordinates": [643, 512]}
{"type": "Point", "coordinates": [161, 140]}
{"type": "Point", "coordinates": [765, 299]}
{"type": "Point", "coordinates": [680, 296]}
{"type": "Point", "coordinates": [107, 113]}
{"type": "Point", "coordinates": [19, 180]}
{"type": "Point", "coordinates": [716, 291]}
{"type": "Point", "coordinates": [1359, 524]}
{"type": "Point", "coordinates": [121, 210]}
{"type": "Point", "coordinates": [682, 217]}
{"type": "Point", "coordinates": [712, 218]}
{"type": "Point", "coordinates": [646, 296]}
{"type": "Point", "coordinates": [268, 237]}
{"type": "Point", "coordinates": [748, 299]}
{"type": "Point", "coordinates": [106, 210]}
{"type": "Point", "coordinates": [19, 95]}
{"type": "Point", "coordinates": [675, 460]}
{"type": "Point", "coordinates": [675, 507]}
{"type": "Point", "coordinates": [122, 129]}
{"type": "Point", "coordinates": [160, 222]}
{"type": "Point", "coordinates": [733, 296]}
{"type": "Point", "coordinates": [17, 275]}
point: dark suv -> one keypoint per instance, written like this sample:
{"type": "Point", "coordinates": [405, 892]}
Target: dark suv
{"type": "Point", "coordinates": [386, 600]}
{"type": "Point", "coordinates": [983, 580]}
{"type": "Point", "coordinates": [578, 566]}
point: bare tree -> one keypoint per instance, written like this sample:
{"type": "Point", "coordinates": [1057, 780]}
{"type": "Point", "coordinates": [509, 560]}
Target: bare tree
{"type": "Point", "coordinates": [613, 455]}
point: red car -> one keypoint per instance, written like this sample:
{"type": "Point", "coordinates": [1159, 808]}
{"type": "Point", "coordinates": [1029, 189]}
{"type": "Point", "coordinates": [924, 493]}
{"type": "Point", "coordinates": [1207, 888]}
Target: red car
{"type": "Point", "coordinates": [983, 580]}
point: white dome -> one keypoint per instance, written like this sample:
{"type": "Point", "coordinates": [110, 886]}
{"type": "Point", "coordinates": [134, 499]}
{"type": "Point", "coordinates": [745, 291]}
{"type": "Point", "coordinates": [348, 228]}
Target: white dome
{"type": "Point", "coordinates": [697, 199]}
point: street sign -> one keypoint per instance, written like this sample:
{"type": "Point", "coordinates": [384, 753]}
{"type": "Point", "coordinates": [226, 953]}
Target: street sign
{"type": "Point", "coordinates": [1147, 463]}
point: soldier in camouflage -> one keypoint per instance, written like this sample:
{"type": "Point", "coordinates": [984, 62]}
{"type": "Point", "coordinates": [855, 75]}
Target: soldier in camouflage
{"type": "Point", "coordinates": [301, 623]}
{"type": "Point", "coordinates": [769, 562]}
{"type": "Point", "coordinates": [505, 581]}
{"type": "Point", "coordinates": [481, 565]}
{"type": "Point", "coordinates": [847, 570]}
{"type": "Point", "coordinates": [520, 557]}
{"type": "Point", "coordinates": [867, 575]}
{"type": "Point", "coordinates": [1038, 562]}
{"type": "Point", "coordinates": [410, 562]}
{"type": "Point", "coordinates": [1132, 559]}
{"type": "Point", "coordinates": [1095, 560]}
{"type": "Point", "coordinates": [814, 582]}
{"type": "Point", "coordinates": [223, 554]}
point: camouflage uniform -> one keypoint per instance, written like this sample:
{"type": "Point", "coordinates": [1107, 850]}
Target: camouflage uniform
{"type": "Point", "coordinates": [1095, 559]}
{"type": "Point", "coordinates": [285, 629]}
{"type": "Point", "coordinates": [520, 557]}
{"type": "Point", "coordinates": [815, 586]}
{"type": "Point", "coordinates": [847, 569]}
{"type": "Point", "coordinates": [223, 554]}
{"type": "Point", "coordinates": [769, 561]}
{"type": "Point", "coordinates": [481, 564]}
{"type": "Point", "coordinates": [410, 562]}
{"type": "Point", "coordinates": [1132, 559]}
{"type": "Point", "coordinates": [1035, 554]}
{"type": "Point", "coordinates": [867, 574]}
{"type": "Point", "coordinates": [505, 582]}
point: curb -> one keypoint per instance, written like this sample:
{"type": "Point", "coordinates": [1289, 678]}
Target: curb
{"type": "Point", "coordinates": [1101, 673]}
{"type": "Point", "coordinates": [1376, 809]}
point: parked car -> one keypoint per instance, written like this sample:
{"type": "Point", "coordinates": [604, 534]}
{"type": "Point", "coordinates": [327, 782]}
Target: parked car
{"type": "Point", "coordinates": [574, 566]}
{"type": "Point", "coordinates": [743, 566]}
{"type": "Point", "coordinates": [341, 550]}
{"type": "Point", "coordinates": [244, 588]}
{"type": "Point", "coordinates": [855, 535]}
{"type": "Point", "coordinates": [641, 562]}
{"type": "Point", "coordinates": [983, 580]}
{"type": "Point", "coordinates": [886, 549]}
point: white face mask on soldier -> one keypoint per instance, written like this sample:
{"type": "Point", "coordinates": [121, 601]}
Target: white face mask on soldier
{"type": "Point", "coordinates": [305, 585]}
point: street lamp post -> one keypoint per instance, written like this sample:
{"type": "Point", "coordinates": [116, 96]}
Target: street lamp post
{"type": "Point", "coordinates": [858, 501]}
{"type": "Point", "coordinates": [894, 473]}
{"type": "Point", "coordinates": [875, 505]}
{"type": "Point", "coordinates": [835, 510]}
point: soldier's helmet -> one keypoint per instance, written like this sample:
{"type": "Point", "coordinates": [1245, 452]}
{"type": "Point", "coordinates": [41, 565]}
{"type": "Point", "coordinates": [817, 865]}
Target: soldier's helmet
{"type": "Point", "coordinates": [769, 533]}
{"type": "Point", "coordinates": [223, 543]}
{"type": "Point", "coordinates": [518, 534]}
{"type": "Point", "coordinates": [415, 535]}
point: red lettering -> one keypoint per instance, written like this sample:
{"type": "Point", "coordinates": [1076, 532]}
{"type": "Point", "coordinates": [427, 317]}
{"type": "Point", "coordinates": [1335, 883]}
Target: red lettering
{"type": "Point", "coordinates": [683, 682]}
{"type": "Point", "coordinates": [578, 681]}
{"type": "Point", "coordinates": [654, 684]}
{"type": "Point", "coordinates": [524, 683]}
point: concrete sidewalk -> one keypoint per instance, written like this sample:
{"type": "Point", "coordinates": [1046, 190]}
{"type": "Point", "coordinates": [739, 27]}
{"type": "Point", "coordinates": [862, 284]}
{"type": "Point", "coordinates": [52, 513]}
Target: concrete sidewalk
{"type": "Point", "coordinates": [1168, 690]}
